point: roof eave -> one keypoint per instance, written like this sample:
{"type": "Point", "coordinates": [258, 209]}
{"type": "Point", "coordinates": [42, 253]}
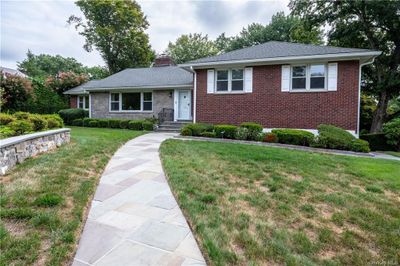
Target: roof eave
{"type": "Point", "coordinates": [340, 56]}
{"type": "Point", "coordinates": [138, 87]}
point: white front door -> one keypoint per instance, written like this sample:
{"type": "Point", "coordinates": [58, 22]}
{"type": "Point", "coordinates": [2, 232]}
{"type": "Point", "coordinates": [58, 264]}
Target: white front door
{"type": "Point", "coordinates": [184, 105]}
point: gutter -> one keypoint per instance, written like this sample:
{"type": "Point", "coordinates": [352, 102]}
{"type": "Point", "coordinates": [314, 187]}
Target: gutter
{"type": "Point", "coordinates": [344, 56]}
{"type": "Point", "coordinates": [359, 92]}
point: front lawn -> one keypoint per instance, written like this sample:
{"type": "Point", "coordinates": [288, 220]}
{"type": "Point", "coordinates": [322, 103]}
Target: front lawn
{"type": "Point", "coordinates": [252, 205]}
{"type": "Point", "coordinates": [43, 200]}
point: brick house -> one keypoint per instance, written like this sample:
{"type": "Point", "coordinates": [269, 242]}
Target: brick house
{"type": "Point", "coordinates": [276, 84]}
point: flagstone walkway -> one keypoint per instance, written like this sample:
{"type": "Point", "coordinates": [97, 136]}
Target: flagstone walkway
{"type": "Point", "coordinates": [134, 218]}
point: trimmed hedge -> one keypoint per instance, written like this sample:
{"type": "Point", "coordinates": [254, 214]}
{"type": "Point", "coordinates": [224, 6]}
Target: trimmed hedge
{"type": "Point", "coordinates": [69, 115]}
{"type": "Point", "coordinates": [225, 131]}
{"type": "Point", "coordinates": [21, 126]}
{"type": "Point", "coordinates": [5, 119]}
{"type": "Point", "coordinates": [114, 123]}
{"type": "Point", "coordinates": [254, 130]}
{"type": "Point", "coordinates": [294, 136]}
{"type": "Point", "coordinates": [392, 132]}
{"type": "Point", "coordinates": [196, 129]}
{"type": "Point", "coordinates": [332, 137]}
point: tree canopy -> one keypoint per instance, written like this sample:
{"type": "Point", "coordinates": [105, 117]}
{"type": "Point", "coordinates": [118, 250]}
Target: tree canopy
{"type": "Point", "coordinates": [281, 28]}
{"type": "Point", "coordinates": [44, 65]}
{"type": "Point", "coordinates": [117, 30]}
{"type": "Point", "coordinates": [191, 47]}
{"type": "Point", "coordinates": [363, 24]}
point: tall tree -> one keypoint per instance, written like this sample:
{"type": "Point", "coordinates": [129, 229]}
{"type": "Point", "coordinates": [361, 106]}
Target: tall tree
{"type": "Point", "coordinates": [191, 47]}
{"type": "Point", "coordinates": [16, 91]}
{"type": "Point", "coordinates": [116, 28]}
{"type": "Point", "coordinates": [363, 24]}
{"type": "Point", "coordinates": [281, 28]}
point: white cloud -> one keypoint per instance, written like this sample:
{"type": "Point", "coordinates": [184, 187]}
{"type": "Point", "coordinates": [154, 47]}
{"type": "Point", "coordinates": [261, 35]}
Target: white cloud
{"type": "Point", "coordinates": [41, 25]}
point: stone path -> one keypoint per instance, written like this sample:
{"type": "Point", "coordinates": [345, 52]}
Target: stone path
{"type": "Point", "coordinates": [134, 218]}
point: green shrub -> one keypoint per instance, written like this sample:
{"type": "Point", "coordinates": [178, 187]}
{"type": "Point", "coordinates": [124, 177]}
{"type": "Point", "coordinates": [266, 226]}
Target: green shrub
{"type": "Point", "coordinates": [21, 115]}
{"type": "Point", "coordinates": [207, 134]}
{"type": "Point", "coordinates": [6, 132]}
{"type": "Point", "coordinates": [254, 130]}
{"type": "Point", "coordinates": [152, 120]}
{"type": "Point", "coordinates": [39, 123]}
{"type": "Point", "coordinates": [53, 121]}
{"type": "Point", "coordinates": [93, 123]}
{"type": "Point", "coordinates": [271, 138]}
{"type": "Point", "coordinates": [103, 123]}
{"type": "Point", "coordinates": [241, 133]}
{"type": "Point", "coordinates": [86, 121]}
{"type": "Point", "coordinates": [198, 128]}
{"type": "Point", "coordinates": [225, 131]}
{"type": "Point", "coordinates": [392, 132]}
{"type": "Point", "coordinates": [5, 119]}
{"type": "Point", "coordinates": [186, 131]}
{"type": "Point", "coordinates": [135, 124]}
{"type": "Point", "coordinates": [114, 123]}
{"type": "Point", "coordinates": [147, 125]}
{"type": "Point", "coordinates": [359, 145]}
{"type": "Point", "coordinates": [77, 122]}
{"type": "Point", "coordinates": [68, 115]}
{"type": "Point", "coordinates": [124, 123]}
{"type": "Point", "coordinates": [377, 142]}
{"type": "Point", "coordinates": [48, 200]}
{"type": "Point", "coordinates": [21, 126]}
{"type": "Point", "coordinates": [332, 137]}
{"type": "Point", "coordinates": [294, 136]}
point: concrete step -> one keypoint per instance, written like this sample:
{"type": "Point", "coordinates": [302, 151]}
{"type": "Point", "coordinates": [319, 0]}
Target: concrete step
{"type": "Point", "coordinates": [168, 130]}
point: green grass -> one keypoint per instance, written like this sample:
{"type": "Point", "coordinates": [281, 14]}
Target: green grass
{"type": "Point", "coordinates": [43, 201]}
{"type": "Point", "coordinates": [393, 153]}
{"type": "Point", "coordinates": [252, 205]}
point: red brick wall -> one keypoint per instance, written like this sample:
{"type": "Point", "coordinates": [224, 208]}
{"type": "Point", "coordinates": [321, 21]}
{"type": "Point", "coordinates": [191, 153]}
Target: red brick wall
{"type": "Point", "coordinates": [73, 101]}
{"type": "Point", "coordinates": [272, 108]}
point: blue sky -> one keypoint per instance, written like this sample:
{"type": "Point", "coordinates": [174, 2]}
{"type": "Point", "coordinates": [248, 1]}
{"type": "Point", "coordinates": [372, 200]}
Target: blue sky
{"type": "Point", "coordinates": [41, 25]}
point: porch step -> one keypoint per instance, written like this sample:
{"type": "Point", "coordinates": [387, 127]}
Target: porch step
{"type": "Point", "coordinates": [172, 126]}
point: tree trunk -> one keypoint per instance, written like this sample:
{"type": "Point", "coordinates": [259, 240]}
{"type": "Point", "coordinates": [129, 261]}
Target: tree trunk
{"type": "Point", "coordinates": [380, 113]}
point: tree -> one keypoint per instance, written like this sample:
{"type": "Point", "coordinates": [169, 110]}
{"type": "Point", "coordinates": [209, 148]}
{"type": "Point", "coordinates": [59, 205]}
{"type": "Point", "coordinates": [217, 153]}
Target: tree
{"type": "Point", "coordinates": [96, 72]}
{"type": "Point", "coordinates": [16, 91]}
{"type": "Point", "coordinates": [191, 47]}
{"type": "Point", "coordinates": [117, 30]}
{"type": "Point", "coordinates": [65, 81]}
{"type": "Point", "coordinates": [44, 65]}
{"type": "Point", "coordinates": [363, 24]}
{"type": "Point", "coordinates": [281, 28]}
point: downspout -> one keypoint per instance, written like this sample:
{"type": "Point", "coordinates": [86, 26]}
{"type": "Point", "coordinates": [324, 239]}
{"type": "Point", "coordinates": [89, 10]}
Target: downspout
{"type": "Point", "coordinates": [90, 105]}
{"type": "Point", "coordinates": [194, 95]}
{"type": "Point", "coordinates": [359, 94]}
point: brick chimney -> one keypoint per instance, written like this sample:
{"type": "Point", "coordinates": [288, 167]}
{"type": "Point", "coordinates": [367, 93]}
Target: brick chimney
{"type": "Point", "coordinates": [163, 60]}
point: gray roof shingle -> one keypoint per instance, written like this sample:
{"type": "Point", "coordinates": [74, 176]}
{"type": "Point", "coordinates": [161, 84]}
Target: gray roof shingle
{"type": "Point", "coordinates": [146, 77]}
{"type": "Point", "coordinates": [274, 49]}
{"type": "Point", "coordinates": [81, 88]}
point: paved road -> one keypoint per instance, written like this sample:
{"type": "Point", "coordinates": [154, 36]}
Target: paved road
{"type": "Point", "coordinates": [134, 218]}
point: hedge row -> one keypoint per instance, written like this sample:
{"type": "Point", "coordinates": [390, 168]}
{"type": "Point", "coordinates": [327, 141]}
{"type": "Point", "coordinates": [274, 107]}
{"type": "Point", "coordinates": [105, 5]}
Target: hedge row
{"type": "Point", "coordinates": [329, 137]}
{"type": "Point", "coordinates": [147, 124]}
{"type": "Point", "coordinates": [21, 123]}
{"type": "Point", "coordinates": [69, 115]}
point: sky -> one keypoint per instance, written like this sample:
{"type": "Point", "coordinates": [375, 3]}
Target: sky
{"type": "Point", "coordinates": [41, 25]}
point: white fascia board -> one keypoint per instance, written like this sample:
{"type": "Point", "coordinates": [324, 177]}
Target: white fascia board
{"type": "Point", "coordinates": [139, 88]}
{"type": "Point", "coordinates": [286, 59]}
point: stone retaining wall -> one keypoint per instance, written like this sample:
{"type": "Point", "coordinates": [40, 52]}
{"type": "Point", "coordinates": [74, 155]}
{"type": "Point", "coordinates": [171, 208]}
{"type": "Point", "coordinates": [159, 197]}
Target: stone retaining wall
{"type": "Point", "coordinates": [16, 149]}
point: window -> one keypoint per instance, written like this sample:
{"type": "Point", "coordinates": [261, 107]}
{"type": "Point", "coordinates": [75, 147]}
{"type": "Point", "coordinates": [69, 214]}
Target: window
{"type": "Point", "coordinates": [317, 76]}
{"type": "Point", "coordinates": [308, 77]}
{"type": "Point", "coordinates": [299, 78]}
{"type": "Point", "coordinates": [114, 102]}
{"type": "Point", "coordinates": [147, 101]}
{"type": "Point", "coordinates": [83, 102]}
{"type": "Point", "coordinates": [131, 101]}
{"type": "Point", "coordinates": [229, 80]}
{"type": "Point", "coordinates": [237, 79]}
{"type": "Point", "coordinates": [222, 80]}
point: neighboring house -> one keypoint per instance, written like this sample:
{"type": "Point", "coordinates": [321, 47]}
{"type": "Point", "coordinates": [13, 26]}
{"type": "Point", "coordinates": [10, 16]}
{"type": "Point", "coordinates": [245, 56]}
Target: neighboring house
{"type": "Point", "coordinates": [6, 70]}
{"type": "Point", "coordinates": [276, 84]}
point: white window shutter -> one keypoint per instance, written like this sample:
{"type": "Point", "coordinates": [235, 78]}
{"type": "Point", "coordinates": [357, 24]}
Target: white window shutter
{"type": "Point", "coordinates": [285, 82]}
{"type": "Point", "coordinates": [248, 79]}
{"type": "Point", "coordinates": [332, 76]}
{"type": "Point", "coordinates": [210, 81]}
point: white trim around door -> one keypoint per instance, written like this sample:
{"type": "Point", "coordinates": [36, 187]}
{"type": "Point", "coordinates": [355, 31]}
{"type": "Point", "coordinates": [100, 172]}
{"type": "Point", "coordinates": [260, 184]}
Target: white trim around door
{"type": "Point", "coordinates": [182, 105]}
